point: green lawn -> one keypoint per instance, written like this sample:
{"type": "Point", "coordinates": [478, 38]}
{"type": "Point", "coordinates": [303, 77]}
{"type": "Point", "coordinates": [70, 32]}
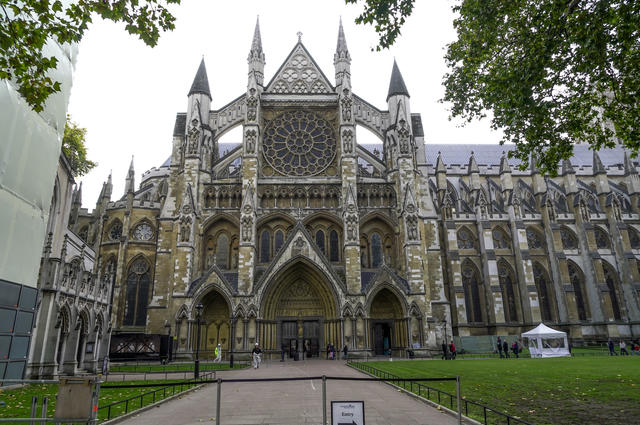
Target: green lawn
{"type": "Point", "coordinates": [173, 367]}
{"type": "Point", "coordinates": [578, 390]}
{"type": "Point", "coordinates": [18, 401]}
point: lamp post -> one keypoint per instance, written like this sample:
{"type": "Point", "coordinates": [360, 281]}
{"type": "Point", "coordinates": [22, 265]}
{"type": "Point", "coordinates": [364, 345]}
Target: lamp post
{"type": "Point", "coordinates": [196, 368]}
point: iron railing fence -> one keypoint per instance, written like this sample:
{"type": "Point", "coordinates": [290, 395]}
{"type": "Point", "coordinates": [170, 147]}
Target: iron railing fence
{"type": "Point", "coordinates": [440, 397]}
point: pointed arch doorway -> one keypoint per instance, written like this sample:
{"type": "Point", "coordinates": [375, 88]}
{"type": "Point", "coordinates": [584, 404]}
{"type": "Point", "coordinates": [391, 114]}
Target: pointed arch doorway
{"type": "Point", "coordinates": [300, 312]}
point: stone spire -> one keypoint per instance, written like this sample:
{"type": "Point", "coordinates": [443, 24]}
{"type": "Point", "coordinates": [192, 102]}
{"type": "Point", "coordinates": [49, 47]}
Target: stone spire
{"type": "Point", "coordinates": [77, 198]}
{"type": "Point", "coordinates": [473, 165]}
{"type": "Point", "coordinates": [567, 167]}
{"type": "Point", "coordinates": [504, 164]}
{"type": "Point", "coordinates": [342, 60]}
{"type": "Point", "coordinates": [396, 85]}
{"type": "Point", "coordinates": [129, 186]}
{"type": "Point", "coordinates": [108, 187]}
{"type": "Point", "coordinates": [598, 167]}
{"type": "Point", "coordinates": [629, 167]}
{"type": "Point", "coordinates": [256, 58]}
{"type": "Point", "coordinates": [440, 167]}
{"type": "Point", "coordinates": [200, 82]}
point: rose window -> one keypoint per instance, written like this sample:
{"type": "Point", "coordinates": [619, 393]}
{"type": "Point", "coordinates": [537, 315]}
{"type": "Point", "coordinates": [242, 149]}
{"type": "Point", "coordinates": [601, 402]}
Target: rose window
{"type": "Point", "coordinates": [299, 144]}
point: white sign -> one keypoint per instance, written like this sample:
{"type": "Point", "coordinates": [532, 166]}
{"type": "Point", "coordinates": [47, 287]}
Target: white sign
{"type": "Point", "coordinates": [347, 413]}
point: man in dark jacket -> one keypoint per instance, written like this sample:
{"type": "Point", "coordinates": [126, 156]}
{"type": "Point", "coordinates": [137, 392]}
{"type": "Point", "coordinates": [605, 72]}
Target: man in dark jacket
{"type": "Point", "coordinates": [505, 348]}
{"type": "Point", "coordinates": [444, 351]}
{"type": "Point", "coordinates": [500, 347]}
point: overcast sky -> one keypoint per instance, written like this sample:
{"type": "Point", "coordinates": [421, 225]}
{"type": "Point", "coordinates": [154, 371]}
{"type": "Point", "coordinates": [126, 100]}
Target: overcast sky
{"type": "Point", "coordinates": [127, 94]}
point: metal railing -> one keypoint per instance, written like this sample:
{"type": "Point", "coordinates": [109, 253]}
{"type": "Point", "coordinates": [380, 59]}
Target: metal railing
{"type": "Point", "coordinates": [167, 388]}
{"type": "Point", "coordinates": [324, 379]}
{"type": "Point", "coordinates": [150, 367]}
{"type": "Point", "coordinates": [438, 396]}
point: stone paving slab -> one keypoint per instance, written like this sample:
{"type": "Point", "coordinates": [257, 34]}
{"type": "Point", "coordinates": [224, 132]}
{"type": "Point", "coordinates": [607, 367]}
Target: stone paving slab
{"type": "Point", "coordinates": [291, 402]}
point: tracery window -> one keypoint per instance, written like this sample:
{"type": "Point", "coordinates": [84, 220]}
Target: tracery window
{"type": "Point", "coordinates": [334, 246]}
{"type": "Point", "coordinates": [265, 249]}
{"type": "Point", "coordinates": [143, 232]}
{"type": "Point", "coordinates": [279, 240]}
{"type": "Point", "coordinates": [320, 240]}
{"type": "Point", "coordinates": [471, 285]}
{"type": "Point", "coordinates": [634, 239]}
{"type": "Point", "coordinates": [115, 231]}
{"type": "Point", "coordinates": [222, 251]}
{"type": "Point", "coordinates": [602, 239]}
{"type": "Point", "coordinates": [569, 240]}
{"type": "Point", "coordinates": [138, 280]}
{"type": "Point", "coordinates": [466, 240]}
{"type": "Point", "coordinates": [299, 143]}
{"type": "Point", "coordinates": [500, 239]}
{"type": "Point", "coordinates": [534, 240]}
{"type": "Point", "coordinates": [541, 281]}
{"type": "Point", "coordinates": [84, 233]}
{"type": "Point", "coordinates": [611, 281]}
{"type": "Point", "coordinates": [376, 250]}
{"type": "Point", "coordinates": [577, 282]}
{"type": "Point", "coordinates": [507, 283]}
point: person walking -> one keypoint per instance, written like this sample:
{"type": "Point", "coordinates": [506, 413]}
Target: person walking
{"type": "Point", "coordinates": [500, 347]}
{"type": "Point", "coordinates": [345, 352]}
{"type": "Point", "coordinates": [505, 348]}
{"type": "Point", "coordinates": [515, 348]}
{"type": "Point", "coordinates": [328, 350]}
{"type": "Point", "coordinates": [623, 348]}
{"type": "Point", "coordinates": [257, 356]}
{"type": "Point", "coordinates": [452, 348]}
{"type": "Point", "coordinates": [636, 349]}
{"type": "Point", "coordinates": [218, 354]}
{"type": "Point", "coordinates": [444, 351]}
{"type": "Point", "coordinates": [612, 351]}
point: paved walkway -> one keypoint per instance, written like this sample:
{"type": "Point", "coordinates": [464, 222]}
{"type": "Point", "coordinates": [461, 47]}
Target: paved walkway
{"type": "Point", "coordinates": [295, 402]}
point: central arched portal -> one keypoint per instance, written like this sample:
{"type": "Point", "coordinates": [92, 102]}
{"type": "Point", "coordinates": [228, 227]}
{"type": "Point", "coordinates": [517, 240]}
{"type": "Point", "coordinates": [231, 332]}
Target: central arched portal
{"type": "Point", "coordinates": [300, 312]}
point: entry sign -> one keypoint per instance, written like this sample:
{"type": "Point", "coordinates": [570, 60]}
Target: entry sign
{"type": "Point", "coordinates": [347, 413]}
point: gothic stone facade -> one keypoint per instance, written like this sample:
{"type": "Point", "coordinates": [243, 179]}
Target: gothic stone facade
{"type": "Point", "coordinates": [299, 236]}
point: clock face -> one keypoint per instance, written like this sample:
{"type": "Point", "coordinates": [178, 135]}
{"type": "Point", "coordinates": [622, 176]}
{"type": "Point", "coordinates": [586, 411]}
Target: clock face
{"type": "Point", "coordinates": [143, 232]}
{"type": "Point", "coordinates": [116, 231]}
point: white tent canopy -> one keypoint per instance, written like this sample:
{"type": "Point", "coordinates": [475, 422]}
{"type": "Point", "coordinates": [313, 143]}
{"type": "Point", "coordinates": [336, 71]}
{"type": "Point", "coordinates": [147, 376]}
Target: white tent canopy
{"type": "Point", "coordinates": [546, 342]}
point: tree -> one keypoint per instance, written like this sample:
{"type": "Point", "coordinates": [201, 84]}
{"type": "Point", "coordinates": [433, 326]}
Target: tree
{"type": "Point", "coordinates": [553, 73]}
{"type": "Point", "coordinates": [27, 25]}
{"type": "Point", "coordinates": [73, 146]}
{"type": "Point", "coordinates": [387, 16]}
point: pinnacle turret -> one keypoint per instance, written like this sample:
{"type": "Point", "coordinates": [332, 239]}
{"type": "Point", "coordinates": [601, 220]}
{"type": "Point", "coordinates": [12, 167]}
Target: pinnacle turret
{"type": "Point", "coordinates": [473, 165]}
{"type": "Point", "coordinates": [77, 198]}
{"type": "Point", "coordinates": [504, 164]}
{"type": "Point", "coordinates": [629, 167]}
{"type": "Point", "coordinates": [396, 85]}
{"type": "Point", "coordinates": [256, 44]}
{"type": "Point", "coordinates": [598, 167]}
{"type": "Point", "coordinates": [108, 187]}
{"type": "Point", "coordinates": [567, 167]}
{"type": "Point", "coordinates": [200, 82]}
{"type": "Point", "coordinates": [440, 167]}
{"type": "Point", "coordinates": [341, 49]}
{"type": "Point", "coordinates": [130, 180]}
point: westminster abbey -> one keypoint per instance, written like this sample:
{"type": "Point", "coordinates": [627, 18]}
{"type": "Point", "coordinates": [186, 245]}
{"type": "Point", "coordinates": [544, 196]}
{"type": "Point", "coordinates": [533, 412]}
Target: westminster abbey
{"type": "Point", "coordinates": [299, 236]}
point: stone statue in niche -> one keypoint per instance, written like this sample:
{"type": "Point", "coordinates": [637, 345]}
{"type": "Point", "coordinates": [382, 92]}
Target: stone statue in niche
{"type": "Point", "coordinates": [412, 227]}
{"type": "Point", "coordinates": [193, 137]}
{"type": "Point", "coordinates": [347, 139]}
{"type": "Point", "coordinates": [584, 212]}
{"type": "Point", "coordinates": [251, 136]}
{"type": "Point", "coordinates": [352, 229]}
{"type": "Point", "coordinates": [346, 103]}
{"type": "Point", "coordinates": [247, 223]}
{"type": "Point", "coordinates": [185, 229]}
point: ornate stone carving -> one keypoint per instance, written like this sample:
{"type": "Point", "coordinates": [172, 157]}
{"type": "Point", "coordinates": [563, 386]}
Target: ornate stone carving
{"type": "Point", "coordinates": [193, 137]}
{"type": "Point", "coordinates": [347, 140]}
{"type": "Point", "coordinates": [252, 105]}
{"type": "Point", "coordinates": [346, 104]}
{"type": "Point", "coordinates": [251, 136]}
{"type": "Point", "coordinates": [412, 228]}
{"type": "Point", "coordinates": [185, 228]}
{"type": "Point", "coordinates": [352, 228]}
{"type": "Point", "coordinates": [247, 223]}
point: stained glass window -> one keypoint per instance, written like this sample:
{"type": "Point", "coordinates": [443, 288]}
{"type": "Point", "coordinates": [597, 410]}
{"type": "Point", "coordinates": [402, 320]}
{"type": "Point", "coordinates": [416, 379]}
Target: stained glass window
{"type": "Point", "coordinates": [507, 284]}
{"type": "Point", "coordinates": [222, 252]}
{"type": "Point", "coordinates": [465, 239]}
{"type": "Point", "coordinates": [569, 241]}
{"type": "Point", "coordinates": [602, 239]}
{"type": "Point", "coordinates": [376, 250]}
{"type": "Point", "coordinates": [610, 279]}
{"type": "Point", "coordinates": [534, 240]}
{"type": "Point", "coordinates": [575, 276]}
{"type": "Point", "coordinates": [334, 246]}
{"type": "Point", "coordinates": [540, 278]}
{"type": "Point", "coordinates": [265, 251]}
{"type": "Point", "coordinates": [471, 287]}
{"type": "Point", "coordinates": [279, 240]}
{"type": "Point", "coordinates": [500, 239]}
{"type": "Point", "coordinates": [136, 300]}
{"type": "Point", "coordinates": [320, 240]}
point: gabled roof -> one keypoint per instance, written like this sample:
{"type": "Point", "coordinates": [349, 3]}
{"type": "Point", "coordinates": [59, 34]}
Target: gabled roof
{"type": "Point", "coordinates": [299, 74]}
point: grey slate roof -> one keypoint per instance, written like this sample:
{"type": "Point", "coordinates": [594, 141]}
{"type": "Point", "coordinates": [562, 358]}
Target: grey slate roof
{"type": "Point", "coordinates": [200, 82]}
{"type": "Point", "coordinates": [489, 155]}
{"type": "Point", "coordinates": [396, 85]}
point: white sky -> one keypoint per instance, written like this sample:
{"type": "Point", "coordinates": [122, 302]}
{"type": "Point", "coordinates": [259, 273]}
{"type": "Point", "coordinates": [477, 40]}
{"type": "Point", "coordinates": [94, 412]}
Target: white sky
{"type": "Point", "coordinates": [127, 94]}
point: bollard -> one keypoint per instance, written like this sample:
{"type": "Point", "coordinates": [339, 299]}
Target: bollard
{"type": "Point", "coordinates": [324, 400]}
{"type": "Point", "coordinates": [459, 400]}
{"type": "Point", "coordinates": [34, 406]}
{"type": "Point", "coordinates": [218, 402]}
{"type": "Point", "coordinates": [45, 403]}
